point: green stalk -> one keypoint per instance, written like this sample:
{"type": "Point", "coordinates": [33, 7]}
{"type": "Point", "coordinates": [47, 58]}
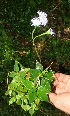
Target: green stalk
{"type": "Point", "coordinates": [40, 35]}
{"type": "Point", "coordinates": [35, 45]}
{"type": "Point", "coordinates": [33, 34]}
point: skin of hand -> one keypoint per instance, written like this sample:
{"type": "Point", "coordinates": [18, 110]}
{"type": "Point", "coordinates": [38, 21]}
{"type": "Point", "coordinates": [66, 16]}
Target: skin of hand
{"type": "Point", "coordinates": [60, 98]}
{"type": "Point", "coordinates": [61, 83]}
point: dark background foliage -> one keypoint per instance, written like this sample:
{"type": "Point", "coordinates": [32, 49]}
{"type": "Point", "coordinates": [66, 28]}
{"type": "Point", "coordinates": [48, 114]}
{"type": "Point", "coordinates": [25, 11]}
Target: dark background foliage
{"type": "Point", "coordinates": [15, 43]}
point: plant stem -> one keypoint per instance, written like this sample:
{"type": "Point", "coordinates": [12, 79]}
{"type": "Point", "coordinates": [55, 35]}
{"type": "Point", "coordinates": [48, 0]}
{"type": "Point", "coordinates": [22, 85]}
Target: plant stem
{"type": "Point", "coordinates": [43, 72]}
{"type": "Point", "coordinates": [40, 35]}
{"type": "Point", "coordinates": [33, 34]}
{"type": "Point", "coordinates": [35, 45]}
{"type": "Point", "coordinates": [37, 53]}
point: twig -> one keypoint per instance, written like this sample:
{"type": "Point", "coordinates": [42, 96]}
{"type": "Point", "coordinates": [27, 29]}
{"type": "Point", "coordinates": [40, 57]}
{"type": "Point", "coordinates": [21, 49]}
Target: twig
{"type": "Point", "coordinates": [45, 70]}
{"type": "Point", "coordinates": [37, 53]}
{"type": "Point", "coordinates": [55, 6]}
{"type": "Point", "coordinates": [35, 45]}
{"type": "Point", "coordinates": [7, 80]}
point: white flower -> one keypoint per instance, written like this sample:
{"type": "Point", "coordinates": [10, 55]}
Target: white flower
{"type": "Point", "coordinates": [35, 22]}
{"type": "Point", "coordinates": [42, 14]}
{"type": "Point", "coordinates": [41, 20]}
{"type": "Point", "coordinates": [42, 17]}
{"type": "Point", "coordinates": [51, 31]}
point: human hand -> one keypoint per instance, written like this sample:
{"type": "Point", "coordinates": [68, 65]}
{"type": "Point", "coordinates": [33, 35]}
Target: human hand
{"type": "Point", "coordinates": [61, 83]}
{"type": "Point", "coordinates": [61, 96]}
{"type": "Point", "coordinates": [61, 101]}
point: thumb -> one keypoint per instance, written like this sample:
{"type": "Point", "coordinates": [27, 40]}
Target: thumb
{"type": "Point", "coordinates": [61, 101]}
{"type": "Point", "coordinates": [56, 100]}
{"type": "Point", "coordinates": [53, 97]}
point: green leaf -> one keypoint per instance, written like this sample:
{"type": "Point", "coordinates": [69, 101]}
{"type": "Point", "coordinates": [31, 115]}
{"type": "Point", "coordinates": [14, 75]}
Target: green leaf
{"type": "Point", "coordinates": [13, 85]}
{"type": "Point", "coordinates": [37, 101]}
{"type": "Point", "coordinates": [21, 91]}
{"type": "Point", "coordinates": [25, 107]}
{"type": "Point", "coordinates": [20, 88]}
{"type": "Point", "coordinates": [39, 66]}
{"type": "Point", "coordinates": [18, 79]}
{"type": "Point", "coordinates": [34, 73]}
{"type": "Point", "coordinates": [12, 74]}
{"type": "Point", "coordinates": [26, 69]}
{"type": "Point", "coordinates": [28, 84]}
{"type": "Point", "coordinates": [33, 105]}
{"type": "Point", "coordinates": [45, 84]}
{"type": "Point", "coordinates": [7, 92]}
{"type": "Point", "coordinates": [32, 95]}
{"type": "Point", "coordinates": [31, 111]}
{"type": "Point", "coordinates": [19, 96]}
{"type": "Point", "coordinates": [10, 92]}
{"type": "Point", "coordinates": [25, 101]}
{"type": "Point", "coordinates": [13, 93]}
{"type": "Point", "coordinates": [47, 32]}
{"type": "Point", "coordinates": [42, 93]}
{"type": "Point", "coordinates": [48, 76]}
{"type": "Point", "coordinates": [18, 101]}
{"type": "Point", "coordinates": [12, 100]}
{"type": "Point", "coordinates": [22, 74]}
{"type": "Point", "coordinates": [16, 68]}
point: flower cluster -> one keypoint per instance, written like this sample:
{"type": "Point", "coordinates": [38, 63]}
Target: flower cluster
{"type": "Point", "coordinates": [41, 20]}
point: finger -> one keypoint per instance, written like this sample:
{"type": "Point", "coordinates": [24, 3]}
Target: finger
{"type": "Point", "coordinates": [56, 76]}
{"type": "Point", "coordinates": [63, 102]}
{"type": "Point", "coordinates": [58, 90]}
{"type": "Point", "coordinates": [60, 102]}
{"type": "Point", "coordinates": [55, 83]}
{"type": "Point", "coordinates": [66, 79]}
{"type": "Point", "coordinates": [63, 78]}
{"type": "Point", "coordinates": [61, 85]}
{"type": "Point", "coordinates": [52, 97]}
{"type": "Point", "coordinates": [67, 87]}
